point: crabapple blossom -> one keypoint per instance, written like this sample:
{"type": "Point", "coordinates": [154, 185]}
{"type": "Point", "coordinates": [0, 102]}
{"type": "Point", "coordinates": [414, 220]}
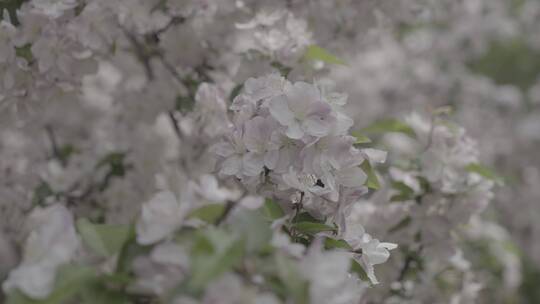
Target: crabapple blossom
{"type": "Point", "coordinates": [52, 241]}
{"type": "Point", "coordinates": [269, 152]}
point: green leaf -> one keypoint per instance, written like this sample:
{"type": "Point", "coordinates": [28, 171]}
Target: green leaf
{"type": "Point", "coordinates": [65, 152]}
{"type": "Point", "coordinates": [317, 53]}
{"type": "Point", "coordinates": [235, 91]}
{"type": "Point", "coordinates": [402, 224]}
{"type": "Point", "coordinates": [202, 246]}
{"type": "Point", "coordinates": [214, 252]}
{"type": "Point", "coordinates": [306, 217]}
{"type": "Point", "coordinates": [25, 52]}
{"type": "Point", "coordinates": [283, 69]}
{"type": "Point", "coordinates": [100, 294]}
{"type": "Point", "coordinates": [405, 192]}
{"type": "Point", "coordinates": [253, 228]}
{"type": "Point", "coordinates": [41, 192]}
{"type": "Point", "coordinates": [359, 270]}
{"type": "Point", "coordinates": [289, 274]}
{"type": "Point", "coordinates": [484, 172]}
{"type": "Point", "coordinates": [509, 62]}
{"type": "Point", "coordinates": [130, 250]}
{"type": "Point", "coordinates": [11, 6]}
{"type": "Point", "coordinates": [360, 138]}
{"type": "Point", "coordinates": [208, 213]}
{"type": "Point", "coordinates": [107, 289]}
{"type": "Point", "coordinates": [444, 110]}
{"type": "Point", "coordinates": [184, 104]}
{"type": "Point", "coordinates": [312, 228]}
{"type": "Point", "coordinates": [389, 125]}
{"type": "Point", "coordinates": [372, 180]}
{"type": "Point", "coordinates": [272, 209]}
{"type": "Point", "coordinates": [208, 267]}
{"type": "Point", "coordinates": [114, 164]}
{"type": "Point", "coordinates": [330, 243]}
{"type": "Point", "coordinates": [103, 239]}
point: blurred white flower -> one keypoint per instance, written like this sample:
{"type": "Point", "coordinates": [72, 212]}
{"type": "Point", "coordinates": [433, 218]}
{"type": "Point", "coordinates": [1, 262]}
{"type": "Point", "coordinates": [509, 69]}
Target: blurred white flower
{"type": "Point", "coordinates": [53, 8]}
{"type": "Point", "coordinates": [51, 243]}
{"type": "Point", "coordinates": [160, 216]}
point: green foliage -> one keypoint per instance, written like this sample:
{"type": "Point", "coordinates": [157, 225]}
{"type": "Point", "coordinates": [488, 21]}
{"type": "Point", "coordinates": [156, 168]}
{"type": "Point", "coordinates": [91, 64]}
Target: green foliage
{"type": "Point", "coordinates": [372, 180]}
{"type": "Point", "coordinates": [484, 172]}
{"type": "Point", "coordinates": [41, 192]}
{"type": "Point", "coordinates": [115, 165]}
{"type": "Point", "coordinates": [511, 62]}
{"type": "Point", "coordinates": [11, 6]}
{"type": "Point", "coordinates": [283, 69]}
{"type": "Point", "coordinates": [359, 270]}
{"type": "Point", "coordinates": [401, 224]}
{"type": "Point", "coordinates": [389, 125]}
{"type": "Point", "coordinates": [214, 253]}
{"type": "Point", "coordinates": [360, 138]}
{"type": "Point", "coordinates": [184, 104]}
{"type": "Point", "coordinates": [305, 217]}
{"type": "Point", "coordinates": [313, 227]}
{"type": "Point", "coordinates": [272, 210]}
{"type": "Point", "coordinates": [64, 153]}
{"type": "Point", "coordinates": [405, 192]}
{"type": "Point", "coordinates": [317, 53]}
{"type": "Point", "coordinates": [130, 250]}
{"type": "Point", "coordinates": [105, 240]}
{"type": "Point", "coordinates": [208, 213]}
{"type": "Point", "coordinates": [250, 224]}
{"type": "Point", "coordinates": [289, 274]}
{"type": "Point", "coordinates": [235, 92]}
{"type": "Point", "coordinates": [25, 52]}
{"type": "Point", "coordinates": [330, 243]}
{"type": "Point", "coordinates": [529, 291]}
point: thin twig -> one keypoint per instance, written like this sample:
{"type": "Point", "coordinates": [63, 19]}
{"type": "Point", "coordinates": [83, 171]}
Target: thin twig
{"type": "Point", "coordinates": [52, 138]}
{"type": "Point", "coordinates": [229, 205]}
{"type": "Point", "coordinates": [176, 127]}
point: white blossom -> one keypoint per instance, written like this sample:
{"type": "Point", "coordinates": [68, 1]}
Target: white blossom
{"type": "Point", "coordinates": [160, 216]}
{"type": "Point", "coordinates": [52, 242]}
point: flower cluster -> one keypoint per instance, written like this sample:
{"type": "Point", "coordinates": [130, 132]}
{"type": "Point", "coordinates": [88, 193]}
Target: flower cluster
{"type": "Point", "coordinates": [434, 187]}
{"type": "Point", "coordinates": [290, 141]}
{"type": "Point", "coordinates": [277, 34]}
{"type": "Point", "coordinates": [197, 151]}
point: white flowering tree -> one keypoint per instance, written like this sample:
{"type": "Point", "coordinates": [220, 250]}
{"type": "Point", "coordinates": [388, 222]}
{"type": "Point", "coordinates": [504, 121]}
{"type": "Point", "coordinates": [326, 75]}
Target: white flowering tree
{"type": "Point", "coordinates": [199, 151]}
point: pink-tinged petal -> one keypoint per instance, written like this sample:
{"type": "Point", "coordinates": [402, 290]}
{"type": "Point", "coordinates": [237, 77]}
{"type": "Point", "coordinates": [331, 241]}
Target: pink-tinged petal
{"type": "Point", "coordinates": [301, 96]}
{"type": "Point", "coordinates": [271, 159]}
{"type": "Point", "coordinates": [279, 109]}
{"type": "Point", "coordinates": [160, 216]}
{"type": "Point", "coordinates": [351, 177]}
{"type": "Point", "coordinates": [231, 166]}
{"type": "Point", "coordinates": [285, 159]}
{"type": "Point", "coordinates": [254, 134]}
{"type": "Point", "coordinates": [224, 149]}
{"type": "Point", "coordinates": [343, 124]}
{"type": "Point", "coordinates": [291, 179]}
{"type": "Point", "coordinates": [318, 126]}
{"type": "Point", "coordinates": [294, 131]}
{"type": "Point", "coordinates": [252, 164]}
{"type": "Point", "coordinates": [375, 155]}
